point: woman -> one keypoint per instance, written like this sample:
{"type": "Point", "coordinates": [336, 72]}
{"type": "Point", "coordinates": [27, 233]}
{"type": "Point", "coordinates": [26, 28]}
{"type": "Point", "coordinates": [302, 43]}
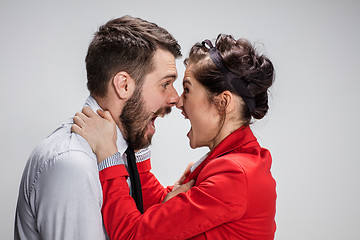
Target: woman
{"type": "Point", "coordinates": [234, 195]}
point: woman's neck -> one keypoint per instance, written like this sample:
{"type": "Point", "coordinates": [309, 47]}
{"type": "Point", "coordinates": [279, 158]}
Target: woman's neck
{"type": "Point", "coordinates": [226, 130]}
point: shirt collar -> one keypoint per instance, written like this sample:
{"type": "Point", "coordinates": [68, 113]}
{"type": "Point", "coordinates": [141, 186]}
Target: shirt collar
{"type": "Point", "coordinates": [120, 141]}
{"type": "Point", "coordinates": [198, 162]}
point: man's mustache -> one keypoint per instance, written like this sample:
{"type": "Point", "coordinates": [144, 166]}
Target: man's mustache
{"type": "Point", "coordinates": [163, 111]}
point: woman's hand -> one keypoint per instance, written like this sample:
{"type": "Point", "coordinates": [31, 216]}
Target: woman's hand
{"type": "Point", "coordinates": [178, 186]}
{"type": "Point", "coordinates": [98, 131]}
{"type": "Point", "coordinates": [180, 189]}
{"type": "Point", "coordinates": [183, 176]}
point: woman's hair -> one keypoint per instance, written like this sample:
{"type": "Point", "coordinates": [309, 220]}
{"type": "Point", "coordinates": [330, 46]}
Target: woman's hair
{"type": "Point", "coordinates": [241, 58]}
{"type": "Point", "coordinates": [125, 44]}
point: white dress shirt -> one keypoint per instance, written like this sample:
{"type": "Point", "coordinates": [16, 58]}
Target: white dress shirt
{"type": "Point", "coordinates": [60, 195]}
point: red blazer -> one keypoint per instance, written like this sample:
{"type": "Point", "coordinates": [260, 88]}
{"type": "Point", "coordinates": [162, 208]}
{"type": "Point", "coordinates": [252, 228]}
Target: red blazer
{"type": "Point", "coordinates": [233, 198]}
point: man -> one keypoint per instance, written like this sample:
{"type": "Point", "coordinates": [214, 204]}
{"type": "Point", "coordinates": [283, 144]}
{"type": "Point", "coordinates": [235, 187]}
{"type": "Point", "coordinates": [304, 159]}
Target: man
{"type": "Point", "coordinates": [131, 69]}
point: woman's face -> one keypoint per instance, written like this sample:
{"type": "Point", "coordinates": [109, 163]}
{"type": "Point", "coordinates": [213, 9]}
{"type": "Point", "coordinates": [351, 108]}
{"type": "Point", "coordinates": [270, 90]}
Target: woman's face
{"type": "Point", "coordinates": [203, 114]}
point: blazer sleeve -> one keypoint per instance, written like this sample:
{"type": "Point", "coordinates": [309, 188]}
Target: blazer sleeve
{"type": "Point", "coordinates": [152, 190]}
{"type": "Point", "coordinates": [219, 196]}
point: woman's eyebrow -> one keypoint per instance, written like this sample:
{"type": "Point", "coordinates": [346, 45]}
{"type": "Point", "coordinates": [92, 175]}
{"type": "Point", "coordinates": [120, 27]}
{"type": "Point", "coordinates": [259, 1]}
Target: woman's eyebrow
{"type": "Point", "coordinates": [186, 81]}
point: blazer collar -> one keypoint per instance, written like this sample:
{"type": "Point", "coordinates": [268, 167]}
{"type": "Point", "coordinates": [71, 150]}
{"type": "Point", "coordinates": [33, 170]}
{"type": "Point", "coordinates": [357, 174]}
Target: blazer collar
{"type": "Point", "coordinates": [236, 139]}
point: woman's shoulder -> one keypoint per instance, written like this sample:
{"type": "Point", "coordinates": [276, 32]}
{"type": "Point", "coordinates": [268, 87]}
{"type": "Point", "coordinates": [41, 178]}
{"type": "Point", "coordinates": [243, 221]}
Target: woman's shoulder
{"type": "Point", "coordinates": [241, 161]}
{"type": "Point", "coordinates": [225, 163]}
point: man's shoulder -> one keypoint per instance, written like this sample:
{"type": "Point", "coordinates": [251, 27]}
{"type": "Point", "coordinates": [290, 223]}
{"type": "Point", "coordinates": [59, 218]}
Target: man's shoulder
{"type": "Point", "coordinates": [62, 145]}
{"type": "Point", "coordinates": [62, 156]}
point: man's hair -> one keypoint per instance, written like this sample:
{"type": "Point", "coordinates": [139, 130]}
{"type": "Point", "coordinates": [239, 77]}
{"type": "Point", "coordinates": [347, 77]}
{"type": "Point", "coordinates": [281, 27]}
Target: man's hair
{"type": "Point", "coordinates": [125, 44]}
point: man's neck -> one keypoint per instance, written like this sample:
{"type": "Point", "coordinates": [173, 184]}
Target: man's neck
{"type": "Point", "coordinates": [114, 107]}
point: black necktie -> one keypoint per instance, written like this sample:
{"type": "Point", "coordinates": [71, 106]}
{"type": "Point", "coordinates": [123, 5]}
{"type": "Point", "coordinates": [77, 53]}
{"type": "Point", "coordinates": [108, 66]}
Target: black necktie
{"type": "Point", "coordinates": [135, 179]}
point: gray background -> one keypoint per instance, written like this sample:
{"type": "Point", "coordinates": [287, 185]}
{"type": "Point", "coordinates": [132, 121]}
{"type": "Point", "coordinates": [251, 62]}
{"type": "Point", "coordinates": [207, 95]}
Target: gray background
{"type": "Point", "coordinates": [312, 128]}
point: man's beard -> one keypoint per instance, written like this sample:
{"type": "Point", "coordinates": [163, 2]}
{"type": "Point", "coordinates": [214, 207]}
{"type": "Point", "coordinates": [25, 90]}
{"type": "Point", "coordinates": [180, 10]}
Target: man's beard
{"type": "Point", "coordinates": [135, 119]}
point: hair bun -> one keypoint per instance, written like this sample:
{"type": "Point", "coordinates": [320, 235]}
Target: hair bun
{"type": "Point", "coordinates": [242, 58]}
{"type": "Point", "coordinates": [260, 77]}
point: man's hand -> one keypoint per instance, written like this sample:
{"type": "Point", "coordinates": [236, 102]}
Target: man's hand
{"type": "Point", "coordinates": [182, 188]}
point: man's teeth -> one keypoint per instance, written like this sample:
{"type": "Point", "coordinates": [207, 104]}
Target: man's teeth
{"type": "Point", "coordinates": [152, 122]}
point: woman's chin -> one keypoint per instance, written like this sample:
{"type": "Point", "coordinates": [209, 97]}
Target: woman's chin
{"type": "Point", "coordinates": [189, 136]}
{"type": "Point", "coordinates": [192, 143]}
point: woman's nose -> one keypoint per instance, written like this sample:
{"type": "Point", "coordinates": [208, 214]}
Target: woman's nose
{"type": "Point", "coordinates": [179, 104]}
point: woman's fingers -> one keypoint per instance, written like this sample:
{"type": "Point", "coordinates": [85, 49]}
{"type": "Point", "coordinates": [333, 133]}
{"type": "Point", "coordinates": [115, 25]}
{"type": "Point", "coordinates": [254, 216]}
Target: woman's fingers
{"type": "Point", "coordinates": [78, 120]}
{"type": "Point", "coordinates": [181, 189]}
{"type": "Point", "coordinates": [88, 111]}
{"type": "Point", "coordinates": [76, 129]}
{"type": "Point", "coordinates": [183, 176]}
{"type": "Point", "coordinates": [82, 116]}
{"type": "Point", "coordinates": [105, 114]}
{"type": "Point", "coordinates": [185, 187]}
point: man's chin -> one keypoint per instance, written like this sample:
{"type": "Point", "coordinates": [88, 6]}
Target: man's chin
{"type": "Point", "coordinates": [143, 143]}
{"type": "Point", "coordinates": [148, 140]}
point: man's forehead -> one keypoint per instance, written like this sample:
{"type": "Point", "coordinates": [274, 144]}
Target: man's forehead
{"type": "Point", "coordinates": [164, 66]}
{"type": "Point", "coordinates": [167, 70]}
{"type": "Point", "coordinates": [164, 57]}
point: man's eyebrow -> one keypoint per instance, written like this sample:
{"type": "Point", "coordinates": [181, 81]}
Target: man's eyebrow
{"type": "Point", "coordinates": [173, 76]}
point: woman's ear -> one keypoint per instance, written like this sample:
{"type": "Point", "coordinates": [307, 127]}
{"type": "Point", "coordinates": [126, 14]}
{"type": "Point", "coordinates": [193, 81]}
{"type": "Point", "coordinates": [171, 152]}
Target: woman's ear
{"type": "Point", "coordinates": [224, 100]}
{"type": "Point", "coordinates": [123, 84]}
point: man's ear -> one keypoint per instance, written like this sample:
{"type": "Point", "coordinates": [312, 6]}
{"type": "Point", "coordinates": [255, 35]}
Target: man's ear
{"type": "Point", "coordinates": [123, 84]}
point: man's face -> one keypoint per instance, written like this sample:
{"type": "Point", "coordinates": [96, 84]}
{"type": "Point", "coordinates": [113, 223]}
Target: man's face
{"type": "Point", "coordinates": [154, 98]}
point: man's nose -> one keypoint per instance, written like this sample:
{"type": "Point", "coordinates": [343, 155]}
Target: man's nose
{"type": "Point", "coordinates": [173, 97]}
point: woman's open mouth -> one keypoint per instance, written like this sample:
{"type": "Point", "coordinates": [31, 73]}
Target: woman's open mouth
{"type": "Point", "coordinates": [183, 113]}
